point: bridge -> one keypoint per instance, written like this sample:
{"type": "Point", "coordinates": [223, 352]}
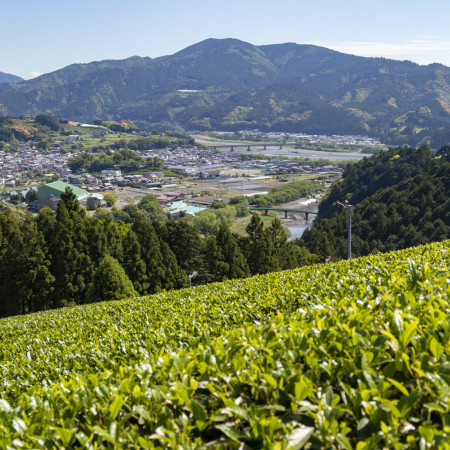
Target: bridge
{"type": "Point", "coordinates": [286, 210]}
{"type": "Point", "coordinates": [232, 147]}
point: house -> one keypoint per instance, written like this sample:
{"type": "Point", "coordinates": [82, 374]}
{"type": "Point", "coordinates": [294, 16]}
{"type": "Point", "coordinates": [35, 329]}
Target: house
{"type": "Point", "coordinates": [94, 201]}
{"type": "Point", "coordinates": [158, 175]}
{"type": "Point", "coordinates": [74, 179]}
{"type": "Point", "coordinates": [106, 173]}
{"type": "Point", "coordinates": [170, 197]}
{"type": "Point", "coordinates": [180, 208]}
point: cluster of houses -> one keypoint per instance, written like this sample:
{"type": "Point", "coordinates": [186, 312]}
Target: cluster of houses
{"type": "Point", "coordinates": [28, 162]}
{"type": "Point", "coordinates": [69, 140]}
{"type": "Point", "coordinates": [312, 138]}
{"type": "Point", "coordinates": [111, 179]}
{"type": "Point", "coordinates": [202, 163]}
{"type": "Point", "coordinates": [279, 167]}
{"type": "Point", "coordinates": [197, 162]}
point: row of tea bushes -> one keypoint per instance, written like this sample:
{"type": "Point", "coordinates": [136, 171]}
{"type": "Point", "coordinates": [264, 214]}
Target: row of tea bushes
{"type": "Point", "coordinates": [346, 355]}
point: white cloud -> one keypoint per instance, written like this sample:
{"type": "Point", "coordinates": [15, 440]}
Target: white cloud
{"type": "Point", "coordinates": [34, 74]}
{"type": "Point", "coordinates": [425, 50]}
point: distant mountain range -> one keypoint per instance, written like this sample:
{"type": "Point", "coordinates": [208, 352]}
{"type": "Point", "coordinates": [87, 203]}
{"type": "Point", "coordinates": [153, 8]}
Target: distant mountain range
{"type": "Point", "coordinates": [8, 78]}
{"type": "Point", "coordinates": [227, 84]}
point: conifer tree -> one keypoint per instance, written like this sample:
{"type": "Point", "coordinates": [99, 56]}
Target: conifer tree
{"type": "Point", "coordinates": [25, 279]}
{"type": "Point", "coordinates": [258, 248]}
{"type": "Point", "coordinates": [113, 238]}
{"type": "Point", "coordinates": [151, 255]}
{"type": "Point", "coordinates": [133, 264]}
{"type": "Point", "coordinates": [225, 257]}
{"type": "Point", "coordinates": [97, 241]}
{"type": "Point", "coordinates": [188, 248]}
{"type": "Point", "coordinates": [110, 282]}
{"type": "Point", "coordinates": [278, 237]}
{"type": "Point", "coordinates": [71, 264]}
{"type": "Point", "coordinates": [174, 276]}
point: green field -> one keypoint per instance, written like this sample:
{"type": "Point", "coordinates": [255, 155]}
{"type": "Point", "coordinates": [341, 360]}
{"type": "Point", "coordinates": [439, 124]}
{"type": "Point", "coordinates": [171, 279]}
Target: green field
{"type": "Point", "coordinates": [346, 355]}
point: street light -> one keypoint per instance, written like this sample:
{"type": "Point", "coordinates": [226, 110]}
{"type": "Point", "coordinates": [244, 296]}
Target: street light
{"type": "Point", "coordinates": [349, 208]}
{"type": "Point", "coordinates": [191, 277]}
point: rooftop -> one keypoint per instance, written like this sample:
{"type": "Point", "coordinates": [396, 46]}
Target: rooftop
{"type": "Point", "coordinates": [61, 186]}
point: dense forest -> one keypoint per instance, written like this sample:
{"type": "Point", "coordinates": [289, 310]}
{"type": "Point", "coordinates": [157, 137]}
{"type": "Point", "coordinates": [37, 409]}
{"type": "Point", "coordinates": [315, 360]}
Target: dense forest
{"type": "Point", "coordinates": [363, 178]}
{"type": "Point", "coordinates": [401, 199]}
{"type": "Point", "coordinates": [67, 258]}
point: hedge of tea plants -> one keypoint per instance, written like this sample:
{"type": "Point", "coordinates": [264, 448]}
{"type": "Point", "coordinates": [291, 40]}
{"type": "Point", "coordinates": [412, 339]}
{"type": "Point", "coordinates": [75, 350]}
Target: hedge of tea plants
{"type": "Point", "coordinates": [346, 355]}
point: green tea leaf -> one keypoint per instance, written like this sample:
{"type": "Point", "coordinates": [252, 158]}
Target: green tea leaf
{"type": "Point", "coordinates": [229, 431]}
{"type": "Point", "coordinates": [115, 406]}
{"type": "Point", "coordinates": [299, 437]}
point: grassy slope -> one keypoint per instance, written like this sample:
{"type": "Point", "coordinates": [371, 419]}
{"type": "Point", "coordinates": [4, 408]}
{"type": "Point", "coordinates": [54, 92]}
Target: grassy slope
{"type": "Point", "coordinates": [347, 354]}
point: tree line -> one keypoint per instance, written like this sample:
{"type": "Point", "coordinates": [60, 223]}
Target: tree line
{"type": "Point", "coordinates": [67, 258]}
{"type": "Point", "coordinates": [287, 193]}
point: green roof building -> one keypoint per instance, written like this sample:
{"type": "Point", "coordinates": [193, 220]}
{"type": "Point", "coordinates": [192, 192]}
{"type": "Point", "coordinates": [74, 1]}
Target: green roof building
{"type": "Point", "coordinates": [180, 206]}
{"type": "Point", "coordinates": [57, 188]}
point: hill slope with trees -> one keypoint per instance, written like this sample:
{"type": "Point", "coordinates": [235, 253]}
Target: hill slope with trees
{"type": "Point", "coordinates": [8, 78]}
{"type": "Point", "coordinates": [228, 84]}
{"type": "Point", "coordinates": [363, 178]}
{"type": "Point", "coordinates": [401, 198]}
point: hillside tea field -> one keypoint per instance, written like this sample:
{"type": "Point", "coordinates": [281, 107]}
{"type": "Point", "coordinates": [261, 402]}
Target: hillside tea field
{"type": "Point", "coordinates": [347, 355]}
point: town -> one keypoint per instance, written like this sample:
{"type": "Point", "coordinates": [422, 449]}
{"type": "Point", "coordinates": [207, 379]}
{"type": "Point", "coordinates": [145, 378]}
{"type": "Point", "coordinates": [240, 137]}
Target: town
{"type": "Point", "coordinates": [194, 167]}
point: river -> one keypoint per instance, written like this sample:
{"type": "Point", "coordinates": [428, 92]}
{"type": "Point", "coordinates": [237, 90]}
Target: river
{"type": "Point", "coordinates": [297, 231]}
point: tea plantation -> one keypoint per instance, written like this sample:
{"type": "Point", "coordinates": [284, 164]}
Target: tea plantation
{"type": "Point", "coordinates": [347, 355]}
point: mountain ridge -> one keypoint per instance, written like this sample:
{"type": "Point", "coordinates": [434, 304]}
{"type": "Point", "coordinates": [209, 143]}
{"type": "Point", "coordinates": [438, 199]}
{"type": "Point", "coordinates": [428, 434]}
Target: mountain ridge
{"type": "Point", "coordinates": [232, 84]}
{"type": "Point", "coordinates": [9, 78]}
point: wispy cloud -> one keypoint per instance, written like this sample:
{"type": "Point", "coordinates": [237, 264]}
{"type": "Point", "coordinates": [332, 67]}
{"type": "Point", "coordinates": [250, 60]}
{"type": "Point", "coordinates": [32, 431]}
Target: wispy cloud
{"type": "Point", "coordinates": [424, 50]}
{"type": "Point", "coordinates": [34, 74]}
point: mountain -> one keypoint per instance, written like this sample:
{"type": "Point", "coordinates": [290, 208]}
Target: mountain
{"type": "Point", "coordinates": [230, 85]}
{"type": "Point", "coordinates": [8, 78]}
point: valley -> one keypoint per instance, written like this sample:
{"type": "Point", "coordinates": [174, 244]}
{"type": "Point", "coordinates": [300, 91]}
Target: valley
{"type": "Point", "coordinates": [230, 246]}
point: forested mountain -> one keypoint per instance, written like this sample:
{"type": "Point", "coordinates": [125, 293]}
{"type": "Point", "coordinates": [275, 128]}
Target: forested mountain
{"type": "Point", "coordinates": [363, 178]}
{"type": "Point", "coordinates": [400, 200]}
{"type": "Point", "coordinates": [8, 78]}
{"type": "Point", "coordinates": [230, 84]}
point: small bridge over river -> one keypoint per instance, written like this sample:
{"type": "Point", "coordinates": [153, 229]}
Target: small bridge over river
{"type": "Point", "coordinates": [286, 210]}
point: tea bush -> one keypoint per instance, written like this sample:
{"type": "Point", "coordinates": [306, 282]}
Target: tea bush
{"type": "Point", "coordinates": [346, 355]}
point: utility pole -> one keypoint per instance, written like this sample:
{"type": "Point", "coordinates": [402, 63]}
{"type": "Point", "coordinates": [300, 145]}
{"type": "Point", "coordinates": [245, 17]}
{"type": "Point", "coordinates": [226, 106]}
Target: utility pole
{"type": "Point", "coordinates": [349, 209]}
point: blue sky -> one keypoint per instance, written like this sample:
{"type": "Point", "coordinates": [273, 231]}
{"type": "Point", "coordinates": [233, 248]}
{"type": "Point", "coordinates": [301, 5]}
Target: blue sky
{"type": "Point", "coordinates": [40, 36]}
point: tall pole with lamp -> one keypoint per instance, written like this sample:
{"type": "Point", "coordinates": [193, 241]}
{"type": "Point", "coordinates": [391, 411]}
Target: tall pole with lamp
{"type": "Point", "coordinates": [191, 277]}
{"type": "Point", "coordinates": [349, 209]}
